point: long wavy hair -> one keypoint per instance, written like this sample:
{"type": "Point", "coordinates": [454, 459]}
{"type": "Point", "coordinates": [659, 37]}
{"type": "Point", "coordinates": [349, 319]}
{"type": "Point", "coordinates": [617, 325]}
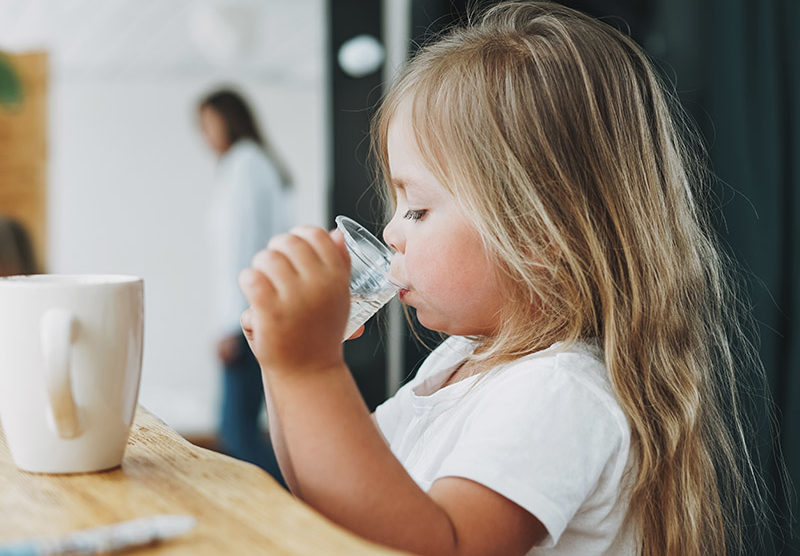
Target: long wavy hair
{"type": "Point", "coordinates": [557, 137]}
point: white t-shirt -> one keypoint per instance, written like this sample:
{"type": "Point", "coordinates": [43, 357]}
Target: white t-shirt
{"type": "Point", "coordinates": [249, 206]}
{"type": "Point", "coordinates": [544, 431]}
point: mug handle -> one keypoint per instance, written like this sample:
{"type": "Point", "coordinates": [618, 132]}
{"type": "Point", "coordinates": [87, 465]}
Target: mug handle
{"type": "Point", "coordinates": [58, 328]}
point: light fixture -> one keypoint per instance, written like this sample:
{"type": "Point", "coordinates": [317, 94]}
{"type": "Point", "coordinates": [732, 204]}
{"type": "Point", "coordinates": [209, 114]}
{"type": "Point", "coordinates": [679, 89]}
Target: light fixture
{"type": "Point", "coordinates": [361, 55]}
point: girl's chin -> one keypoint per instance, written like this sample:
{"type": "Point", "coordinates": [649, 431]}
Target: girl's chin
{"type": "Point", "coordinates": [431, 323]}
{"type": "Point", "coordinates": [446, 327]}
{"type": "Point", "coordinates": [429, 320]}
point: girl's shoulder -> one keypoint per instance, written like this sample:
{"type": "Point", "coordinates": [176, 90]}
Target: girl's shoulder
{"type": "Point", "coordinates": [561, 368]}
{"type": "Point", "coordinates": [582, 358]}
{"type": "Point", "coordinates": [569, 373]}
{"type": "Point", "coordinates": [582, 361]}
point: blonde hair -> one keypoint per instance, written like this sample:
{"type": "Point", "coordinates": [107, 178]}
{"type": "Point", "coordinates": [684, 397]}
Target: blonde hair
{"type": "Point", "coordinates": [555, 135]}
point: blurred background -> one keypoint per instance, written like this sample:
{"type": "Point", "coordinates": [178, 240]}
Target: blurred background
{"type": "Point", "coordinates": [102, 161]}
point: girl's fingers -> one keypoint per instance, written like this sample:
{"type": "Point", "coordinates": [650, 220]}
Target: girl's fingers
{"type": "Point", "coordinates": [277, 267]}
{"type": "Point", "coordinates": [326, 249]}
{"type": "Point", "coordinates": [338, 240]}
{"type": "Point", "coordinates": [257, 288]}
{"type": "Point", "coordinates": [300, 253]}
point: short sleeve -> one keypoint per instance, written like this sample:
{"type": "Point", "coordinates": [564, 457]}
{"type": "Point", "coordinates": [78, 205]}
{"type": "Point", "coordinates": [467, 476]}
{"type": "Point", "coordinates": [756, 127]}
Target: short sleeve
{"type": "Point", "coordinates": [542, 438]}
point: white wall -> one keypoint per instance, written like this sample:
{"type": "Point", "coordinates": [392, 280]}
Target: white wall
{"type": "Point", "coordinates": [130, 179]}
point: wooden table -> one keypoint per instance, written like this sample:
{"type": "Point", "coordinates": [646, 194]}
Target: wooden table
{"type": "Point", "coordinates": [239, 508]}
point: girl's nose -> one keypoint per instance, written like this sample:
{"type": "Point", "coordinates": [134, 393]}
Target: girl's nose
{"type": "Point", "coordinates": [392, 236]}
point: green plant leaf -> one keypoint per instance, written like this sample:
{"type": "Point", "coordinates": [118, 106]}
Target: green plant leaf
{"type": "Point", "coordinates": [10, 85]}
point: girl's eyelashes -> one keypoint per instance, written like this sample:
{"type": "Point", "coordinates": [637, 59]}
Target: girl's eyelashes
{"type": "Point", "coordinates": [414, 214]}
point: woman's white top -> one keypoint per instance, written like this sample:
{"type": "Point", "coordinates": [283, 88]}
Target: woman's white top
{"type": "Point", "coordinates": [249, 206]}
{"type": "Point", "coordinates": [544, 431]}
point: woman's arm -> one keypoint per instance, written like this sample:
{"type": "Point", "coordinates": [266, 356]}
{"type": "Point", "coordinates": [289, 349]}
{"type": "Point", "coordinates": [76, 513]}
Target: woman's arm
{"type": "Point", "coordinates": [339, 461]}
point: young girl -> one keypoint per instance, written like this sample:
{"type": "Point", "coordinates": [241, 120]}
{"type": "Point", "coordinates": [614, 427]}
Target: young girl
{"type": "Point", "coordinates": [545, 219]}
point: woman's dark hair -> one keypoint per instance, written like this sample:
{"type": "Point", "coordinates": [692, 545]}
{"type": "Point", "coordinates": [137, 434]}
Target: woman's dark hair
{"type": "Point", "coordinates": [240, 124]}
{"type": "Point", "coordinates": [238, 118]}
{"type": "Point", "coordinates": [16, 251]}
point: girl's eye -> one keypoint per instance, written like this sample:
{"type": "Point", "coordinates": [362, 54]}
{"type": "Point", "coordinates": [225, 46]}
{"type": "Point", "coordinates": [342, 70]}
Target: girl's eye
{"type": "Point", "coordinates": [414, 214]}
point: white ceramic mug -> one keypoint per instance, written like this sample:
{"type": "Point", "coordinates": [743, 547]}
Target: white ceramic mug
{"type": "Point", "coordinates": [70, 364]}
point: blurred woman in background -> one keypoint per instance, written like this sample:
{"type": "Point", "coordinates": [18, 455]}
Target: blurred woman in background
{"type": "Point", "coordinates": [251, 203]}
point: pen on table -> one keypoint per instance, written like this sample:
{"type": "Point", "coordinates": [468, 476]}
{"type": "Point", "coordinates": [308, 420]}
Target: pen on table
{"type": "Point", "coordinates": [119, 536]}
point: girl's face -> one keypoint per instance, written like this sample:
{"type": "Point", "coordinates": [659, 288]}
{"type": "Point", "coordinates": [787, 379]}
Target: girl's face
{"type": "Point", "coordinates": [213, 127]}
{"type": "Point", "coordinates": [440, 257]}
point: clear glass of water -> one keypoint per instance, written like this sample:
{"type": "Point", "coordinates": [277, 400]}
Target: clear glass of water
{"type": "Point", "coordinates": [370, 285]}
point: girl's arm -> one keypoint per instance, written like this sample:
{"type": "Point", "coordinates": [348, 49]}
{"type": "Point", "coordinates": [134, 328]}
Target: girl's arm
{"type": "Point", "coordinates": [275, 429]}
{"type": "Point", "coordinates": [338, 460]}
{"type": "Point", "coordinates": [277, 440]}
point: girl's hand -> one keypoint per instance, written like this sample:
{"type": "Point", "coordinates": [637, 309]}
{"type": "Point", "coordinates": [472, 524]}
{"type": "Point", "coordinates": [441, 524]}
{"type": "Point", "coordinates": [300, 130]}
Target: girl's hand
{"type": "Point", "coordinates": [299, 294]}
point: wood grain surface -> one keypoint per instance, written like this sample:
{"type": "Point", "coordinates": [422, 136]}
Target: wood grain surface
{"type": "Point", "coordinates": [239, 508]}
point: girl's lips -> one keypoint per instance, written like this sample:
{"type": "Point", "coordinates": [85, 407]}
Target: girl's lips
{"type": "Point", "coordinates": [402, 293]}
